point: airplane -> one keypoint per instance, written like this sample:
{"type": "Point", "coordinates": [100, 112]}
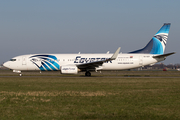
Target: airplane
{"type": "Point", "coordinates": [152, 53]}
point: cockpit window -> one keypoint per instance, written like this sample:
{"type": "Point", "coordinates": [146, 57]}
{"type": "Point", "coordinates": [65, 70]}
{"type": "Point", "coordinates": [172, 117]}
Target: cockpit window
{"type": "Point", "coordinates": [12, 59]}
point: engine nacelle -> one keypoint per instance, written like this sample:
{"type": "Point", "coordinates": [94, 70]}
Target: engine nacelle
{"type": "Point", "coordinates": [69, 70]}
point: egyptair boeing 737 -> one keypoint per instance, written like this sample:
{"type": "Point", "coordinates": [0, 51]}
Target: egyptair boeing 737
{"type": "Point", "coordinates": [152, 53]}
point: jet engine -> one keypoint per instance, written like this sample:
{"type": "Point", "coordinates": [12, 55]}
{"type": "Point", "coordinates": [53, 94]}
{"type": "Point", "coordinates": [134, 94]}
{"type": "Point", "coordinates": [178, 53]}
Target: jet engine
{"type": "Point", "coordinates": [69, 70]}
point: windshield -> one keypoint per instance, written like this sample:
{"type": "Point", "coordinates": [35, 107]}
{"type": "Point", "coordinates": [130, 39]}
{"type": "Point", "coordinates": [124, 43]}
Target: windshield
{"type": "Point", "coordinates": [12, 59]}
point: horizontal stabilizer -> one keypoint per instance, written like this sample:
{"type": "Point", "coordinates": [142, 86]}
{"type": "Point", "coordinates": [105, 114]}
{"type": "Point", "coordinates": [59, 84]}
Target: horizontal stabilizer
{"type": "Point", "coordinates": [164, 55]}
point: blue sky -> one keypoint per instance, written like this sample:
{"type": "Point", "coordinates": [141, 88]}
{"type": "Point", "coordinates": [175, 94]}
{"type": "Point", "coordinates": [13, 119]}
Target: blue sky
{"type": "Point", "coordinates": [94, 26]}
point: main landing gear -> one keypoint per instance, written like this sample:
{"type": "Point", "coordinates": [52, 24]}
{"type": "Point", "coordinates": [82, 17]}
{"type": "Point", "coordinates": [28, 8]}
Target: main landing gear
{"type": "Point", "coordinates": [87, 73]}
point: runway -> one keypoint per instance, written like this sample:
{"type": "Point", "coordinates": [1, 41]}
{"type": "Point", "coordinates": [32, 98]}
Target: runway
{"type": "Point", "coordinates": [104, 74]}
{"type": "Point", "coordinates": [89, 77]}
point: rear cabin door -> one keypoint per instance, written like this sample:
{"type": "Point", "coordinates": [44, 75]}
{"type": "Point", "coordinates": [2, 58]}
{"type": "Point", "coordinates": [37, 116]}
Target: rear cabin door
{"type": "Point", "coordinates": [140, 60]}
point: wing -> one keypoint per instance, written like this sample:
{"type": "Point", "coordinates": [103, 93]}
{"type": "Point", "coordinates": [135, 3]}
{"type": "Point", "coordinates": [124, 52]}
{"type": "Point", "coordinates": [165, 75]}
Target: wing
{"type": "Point", "coordinates": [93, 65]}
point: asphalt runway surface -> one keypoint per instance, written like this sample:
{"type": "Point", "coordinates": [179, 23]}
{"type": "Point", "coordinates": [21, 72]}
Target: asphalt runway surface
{"type": "Point", "coordinates": [87, 77]}
{"type": "Point", "coordinates": [104, 74]}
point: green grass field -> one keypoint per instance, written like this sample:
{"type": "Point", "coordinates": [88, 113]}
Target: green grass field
{"type": "Point", "coordinates": [54, 98]}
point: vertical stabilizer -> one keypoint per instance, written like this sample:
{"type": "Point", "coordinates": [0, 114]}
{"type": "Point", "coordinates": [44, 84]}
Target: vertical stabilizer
{"type": "Point", "coordinates": [158, 43]}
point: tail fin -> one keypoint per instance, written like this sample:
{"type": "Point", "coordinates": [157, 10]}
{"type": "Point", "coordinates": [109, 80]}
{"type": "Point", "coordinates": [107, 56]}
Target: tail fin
{"type": "Point", "coordinates": [158, 43]}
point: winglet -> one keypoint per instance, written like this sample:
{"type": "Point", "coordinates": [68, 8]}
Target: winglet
{"type": "Point", "coordinates": [114, 56]}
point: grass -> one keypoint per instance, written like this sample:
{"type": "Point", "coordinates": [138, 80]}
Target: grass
{"type": "Point", "coordinates": [57, 98]}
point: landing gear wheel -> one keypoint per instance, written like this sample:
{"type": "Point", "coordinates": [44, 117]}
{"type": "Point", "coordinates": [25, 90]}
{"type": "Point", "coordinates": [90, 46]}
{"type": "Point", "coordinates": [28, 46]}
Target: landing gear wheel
{"type": "Point", "coordinates": [87, 73]}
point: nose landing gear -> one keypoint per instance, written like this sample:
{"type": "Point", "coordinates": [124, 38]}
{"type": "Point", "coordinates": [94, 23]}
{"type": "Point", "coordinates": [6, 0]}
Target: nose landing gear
{"type": "Point", "coordinates": [18, 71]}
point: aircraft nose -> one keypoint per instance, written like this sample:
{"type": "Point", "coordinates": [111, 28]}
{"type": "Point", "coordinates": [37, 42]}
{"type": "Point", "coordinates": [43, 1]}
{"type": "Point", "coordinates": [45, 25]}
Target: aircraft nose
{"type": "Point", "coordinates": [6, 64]}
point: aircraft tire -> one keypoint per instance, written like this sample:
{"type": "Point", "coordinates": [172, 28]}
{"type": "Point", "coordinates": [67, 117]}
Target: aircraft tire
{"type": "Point", "coordinates": [88, 74]}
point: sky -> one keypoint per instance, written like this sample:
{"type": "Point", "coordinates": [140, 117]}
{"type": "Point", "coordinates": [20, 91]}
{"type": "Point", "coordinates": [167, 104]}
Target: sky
{"type": "Point", "coordinates": [86, 26]}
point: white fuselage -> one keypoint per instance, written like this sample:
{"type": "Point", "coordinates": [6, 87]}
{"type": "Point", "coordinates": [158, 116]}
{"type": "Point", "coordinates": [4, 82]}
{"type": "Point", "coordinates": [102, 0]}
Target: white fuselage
{"type": "Point", "coordinates": [122, 62]}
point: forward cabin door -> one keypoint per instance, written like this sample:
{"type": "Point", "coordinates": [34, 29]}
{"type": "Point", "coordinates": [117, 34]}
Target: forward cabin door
{"type": "Point", "coordinates": [23, 60]}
